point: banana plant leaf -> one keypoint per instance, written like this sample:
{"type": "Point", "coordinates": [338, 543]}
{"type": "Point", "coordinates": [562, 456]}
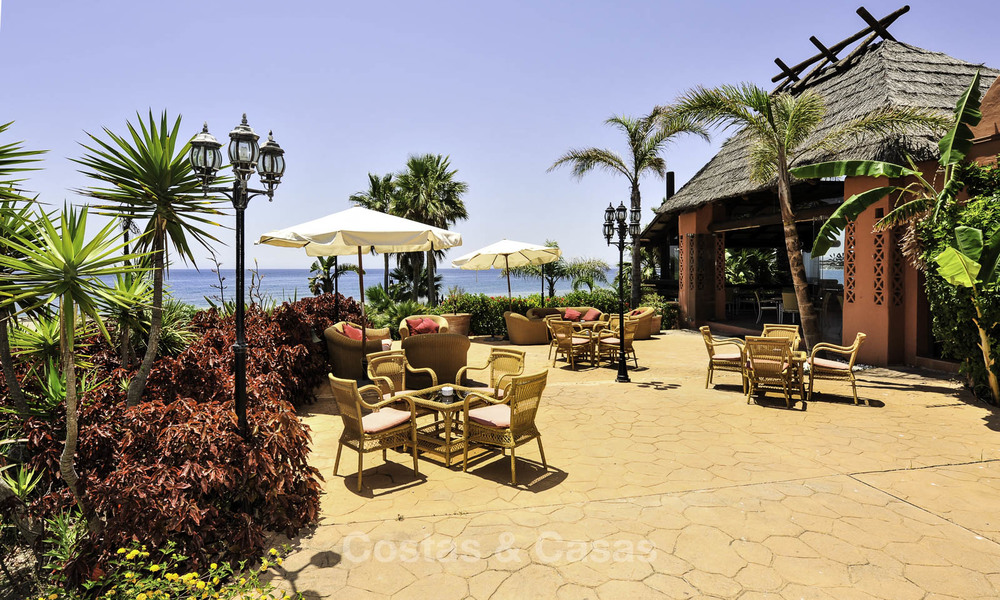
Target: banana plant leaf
{"type": "Point", "coordinates": [970, 241]}
{"type": "Point", "coordinates": [957, 268]}
{"type": "Point", "coordinates": [955, 144]}
{"type": "Point", "coordinates": [846, 212]}
{"type": "Point", "coordinates": [990, 259]}
{"type": "Point", "coordinates": [852, 168]}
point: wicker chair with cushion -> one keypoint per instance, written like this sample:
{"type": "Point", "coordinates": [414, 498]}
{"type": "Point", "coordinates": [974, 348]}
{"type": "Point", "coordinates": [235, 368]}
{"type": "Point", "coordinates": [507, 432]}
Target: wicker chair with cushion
{"type": "Point", "coordinates": [445, 354]}
{"type": "Point", "coordinates": [503, 364]}
{"type": "Point", "coordinates": [821, 368]}
{"type": "Point", "coordinates": [384, 428]}
{"type": "Point", "coordinates": [524, 331]}
{"type": "Point", "coordinates": [770, 367]}
{"type": "Point", "coordinates": [607, 343]}
{"type": "Point", "coordinates": [644, 316]}
{"type": "Point", "coordinates": [506, 423]}
{"type": "Point", "coordinates": [789, 332]}
{"type": "Point", "coordinates": [724, 354]}
{"type": "Point", "coordinates": [345, 351]}
{"type": "Point", "coordinates": [569, 341]}
{"type": "Point", "coordinates": [394, 375]}
{"type": "Point", "coordinates": [420, 324]}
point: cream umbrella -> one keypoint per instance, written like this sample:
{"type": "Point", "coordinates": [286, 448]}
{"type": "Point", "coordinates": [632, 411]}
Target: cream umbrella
{"type": "Point", "coordinates": [506, 254]}
{"type": "Point", "coordinates": [358, 231]}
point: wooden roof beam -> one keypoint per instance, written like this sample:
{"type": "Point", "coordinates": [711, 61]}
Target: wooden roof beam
{"type": "Point", "coordinates": [875, 24]}
{"type": "Point", "coordinates": [830, 56]}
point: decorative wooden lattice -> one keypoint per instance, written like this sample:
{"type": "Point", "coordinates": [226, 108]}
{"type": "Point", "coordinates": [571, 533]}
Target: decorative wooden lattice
{"type": "Point", "coordinates": [692, 258]}
{"type": "Point", "coordinates": [849, 263]}
{"type": "Point", "coordinates": [898, 290]}
{"type": "Point", "coordinates": [680, 263]}
{"type": "Point", "coordinates": [878, 270]}
{"type": "Point", "coordinates": [791, 78]}
{"type": "Point", "coordinates": [720, 262]}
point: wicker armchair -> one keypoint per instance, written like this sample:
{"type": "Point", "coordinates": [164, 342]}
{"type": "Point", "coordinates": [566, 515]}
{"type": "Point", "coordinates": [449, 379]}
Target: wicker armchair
{"type": "Point", "coordinates": [523, 331]}
{"type": "Point", "coordinates": [607, 343]}
{"type": "Point", "coordinates": [381, 429]}
{"type": "Point", "coordinates": [644, 316]}
{"type": "Point", "coordinates": [443, 353]}
{"type": "Point", "coordinates": [770, 367]}
{"type": "Point", "coordinates": [569, 342]}
{"type": "Point", "coordinates": [789, 332]}
{"type": "Point", "coordinates": [392, 373]}
{"type": "Point", "coordinates": [404, 330]}
{"type": "Point", "coordinates": [503, 364]}
{"type": "Point", "coordinates": [506, 423]}
{"type": "Point", "coordinates": [821, 368]}
{"type": "Point", "coordinates": [345, 353]}
{"type": "Point", "coordinates": [729, 360]}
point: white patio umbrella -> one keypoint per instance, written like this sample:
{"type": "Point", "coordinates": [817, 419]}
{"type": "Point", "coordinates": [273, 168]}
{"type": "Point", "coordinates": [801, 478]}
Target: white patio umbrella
{"type": "Point", "coordinates": [359, 231]}
{"type": "Point", "coordinates": [506, 254]}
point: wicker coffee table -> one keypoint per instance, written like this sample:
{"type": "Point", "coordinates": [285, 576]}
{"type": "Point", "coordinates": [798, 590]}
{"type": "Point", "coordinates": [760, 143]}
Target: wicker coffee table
{"type": "Point", "coordinates": [443, 437]}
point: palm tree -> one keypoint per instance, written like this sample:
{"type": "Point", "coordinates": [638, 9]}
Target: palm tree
{"type": "Point", "coordinates": [14, 220]}
{"type": "Point", "coordinates": [647, 136]}
{"type": "Point", "coordinates": [59, 263]}
{"type": "Point", "coordinates": [327, 275]}
{"type": "Point", "coordinates": [429, 193]}
{"type": "Point", "coordinates": [380, 196]}
{"type": "Point", "coordinates": [581, 271]}
{"type": "Point", "coordinates": [146, 176]}
{"type": "Point", "coordinates": [779, 129]}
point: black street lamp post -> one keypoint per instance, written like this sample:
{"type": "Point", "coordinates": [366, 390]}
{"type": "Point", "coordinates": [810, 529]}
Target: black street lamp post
{"type": "Point", "coordinates": [245, 157]}
{"type": "Point", "coordinates": [615, 223]}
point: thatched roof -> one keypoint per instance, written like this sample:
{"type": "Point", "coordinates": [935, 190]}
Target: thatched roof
{"type": "Point", "coordinates": [889, 74]}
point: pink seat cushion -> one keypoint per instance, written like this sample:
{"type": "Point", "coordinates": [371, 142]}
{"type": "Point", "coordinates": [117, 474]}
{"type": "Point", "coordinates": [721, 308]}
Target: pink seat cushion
{"type": "Point", "coordinates": [386, 418]}
{"type": "Point", "coordinates": [494, 415]}
{"type": "Point", "coordinates": [592, 315]}
{"type": "Point", "coordinates": [412, 324]}
{"type": "Point", "coordinates": [613, 341]}
{"type": "Point", "coordinates": [352, 332]}
{"type": "Point", "coordinates": [829, 364]}
{"type": "Point", "coordinates": [726, 356]}
{"type": "Point", "coordinates": [428, 326]}
{"type": "Point", "coordinates": [635, 313]}
{"type": "Point", "coordinates": [580, 341]}
{"type": "Point", "coordinates": [572, 315]}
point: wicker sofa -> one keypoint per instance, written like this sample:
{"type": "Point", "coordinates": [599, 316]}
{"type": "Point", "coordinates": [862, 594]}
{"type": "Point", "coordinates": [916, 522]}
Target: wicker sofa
{"type": "Point", "coordinates": [404, 330]}
{"type": "Point", "coordinates": [443, 353]}
{"type": "Point", "coordinates": [530, 329]}
{"type": "Point", "coordinates": [345, 353]}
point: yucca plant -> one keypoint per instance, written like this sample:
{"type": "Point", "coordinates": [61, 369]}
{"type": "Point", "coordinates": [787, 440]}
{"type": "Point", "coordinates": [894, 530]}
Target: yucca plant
{"type": "Point", "coordinates": [60, 266]}
{"type": "Point", "coordinates": [37, 340]}
{"type": "Point", "coordinates": [146, 176]}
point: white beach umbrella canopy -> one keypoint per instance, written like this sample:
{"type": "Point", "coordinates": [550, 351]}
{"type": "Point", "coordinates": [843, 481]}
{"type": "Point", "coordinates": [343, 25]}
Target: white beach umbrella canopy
{"type": "Point", "coordinates": [506, 254]}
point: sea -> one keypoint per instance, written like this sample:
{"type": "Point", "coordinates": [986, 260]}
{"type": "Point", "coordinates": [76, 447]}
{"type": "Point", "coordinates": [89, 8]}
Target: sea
{"type": "Point", "coordinates": [192, 286]}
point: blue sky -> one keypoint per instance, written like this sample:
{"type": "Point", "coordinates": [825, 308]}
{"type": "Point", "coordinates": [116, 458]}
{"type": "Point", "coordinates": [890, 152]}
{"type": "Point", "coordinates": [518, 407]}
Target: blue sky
{"type": "Point", "coordinates": [504, 88]}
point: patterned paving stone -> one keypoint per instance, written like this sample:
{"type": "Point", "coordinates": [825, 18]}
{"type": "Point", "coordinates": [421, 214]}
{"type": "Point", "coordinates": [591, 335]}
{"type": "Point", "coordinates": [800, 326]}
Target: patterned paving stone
{"type": "Point", "coordinates": [664, 489]}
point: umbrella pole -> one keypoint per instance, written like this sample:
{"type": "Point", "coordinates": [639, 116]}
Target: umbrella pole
{"type": "Point", "coordinates": [364, 319]}
{"type": "Point", "coordinates": [510, 297]}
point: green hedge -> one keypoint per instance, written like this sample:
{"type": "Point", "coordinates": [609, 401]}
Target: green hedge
{"type": "Point", "coordinates": [487, 311]}
{"type": "Point", "coordinates": [951, 307]}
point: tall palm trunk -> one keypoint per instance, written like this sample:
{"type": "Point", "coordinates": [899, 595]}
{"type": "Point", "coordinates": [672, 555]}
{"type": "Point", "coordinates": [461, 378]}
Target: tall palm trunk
{"type": "Point", "coordinates": [66, 460]}
{"type": "Point", "coordinates": [794, 247]}
{"type": "Point", "coordinates": [13, 385]}
{"type": "Point", "coordinates": [385, 273]}
{"type": "Point", "coordinates": [124, 331]}
{"type": "Point", "coordinates": [636, 255]}
{"type": "Point", "coordinates": [138, 384]}
{"type": "Point", "coordinates": [431, 296]}
{"type": "Point", "coordinates": [416, 270]}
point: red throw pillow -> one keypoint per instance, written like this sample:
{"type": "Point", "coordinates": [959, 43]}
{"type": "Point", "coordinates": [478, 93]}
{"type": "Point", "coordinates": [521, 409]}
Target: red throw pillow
{"type": "Point", "coordinates": [592, 315]}
{"type": "Point", "coordinates": [413, 325]}
{"type": "Point", "coordinates": [635, 313]}
{"type": "Point", "coordinates": [572, 315]}
{"type": "Point", "coordinates": [352, 332]}
{"type": "Point", "coordinates": [427, 326]}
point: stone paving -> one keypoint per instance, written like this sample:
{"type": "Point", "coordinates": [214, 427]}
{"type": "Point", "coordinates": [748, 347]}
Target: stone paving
{"type": "Point", "coordinates": [663, 489]}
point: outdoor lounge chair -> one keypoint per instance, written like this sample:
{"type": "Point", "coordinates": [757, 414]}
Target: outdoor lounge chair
{"type": "Point", "coordinates": [607, 342]}
{"type": "Point", "coordinates": [770, 367]}
{"type": "Point", "coordinates": [644, 322]}
{"type": "Point", "coordinates": [503, 365]}
{"type": "Point", "coordinates": [506, 423]}
{"type": "Point", "coordinates": [345, 353]}
{"type": "Point", "coordinates": [385, 427]}
{"type": "Point", "coordinates": [404, 327]}
{"type": "Point", "coordinates": [569, 342]}
{"type": "Point", "coordinates": [732, 359]}
{"type": "Point", "coordinates": [524, 331]}
{"type": "Point", "coordinates": [821, 368]}
{"type": "Point", "coordinates": [446, 354]}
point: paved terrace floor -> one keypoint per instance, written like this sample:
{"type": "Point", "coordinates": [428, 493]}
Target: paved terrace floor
{"type": "Point", "coordinates": [663, 489]}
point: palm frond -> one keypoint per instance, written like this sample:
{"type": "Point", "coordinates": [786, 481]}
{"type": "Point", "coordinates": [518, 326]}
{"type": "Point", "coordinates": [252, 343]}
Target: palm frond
{"type": "Point", "coordinates": [584, 160]}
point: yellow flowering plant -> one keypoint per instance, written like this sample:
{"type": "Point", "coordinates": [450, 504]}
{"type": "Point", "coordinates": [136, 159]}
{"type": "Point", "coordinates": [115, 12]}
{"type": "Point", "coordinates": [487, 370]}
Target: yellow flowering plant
{"type": "Point", "coordinates": [138, 573]}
